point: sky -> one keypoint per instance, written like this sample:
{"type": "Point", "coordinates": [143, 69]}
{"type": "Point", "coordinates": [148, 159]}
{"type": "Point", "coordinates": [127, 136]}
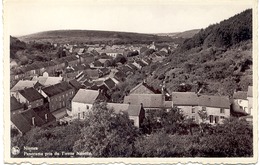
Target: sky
{"type": "Point", "coordinates": [24, 17]}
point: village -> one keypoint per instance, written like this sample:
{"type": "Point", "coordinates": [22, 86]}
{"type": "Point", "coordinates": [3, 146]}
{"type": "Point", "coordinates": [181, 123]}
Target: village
{"type": "Point", "coordinates": [64, 89]}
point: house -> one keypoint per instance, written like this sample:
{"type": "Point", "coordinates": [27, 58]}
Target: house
{"type": "Point", "coordinates": [75, 84]}
{"type": "Point", "coordinates": [119, 76]}
{"type": "Point", "coordinates": [86, 58]}
{"type": "Point", "coordinates": [142, 88]}
{"type": "Point", "coordinates": [191, 104]}
{"type": "Point", "coordinates": [58, 95]}
{"type": "Point", "coordinates": [104, 71]}
{"type": "Point", "coordinates": [110, 83]}
{"type": "Point", "coordinates": [26, 120]}
{"type": "Point", "coordinates": [19, 123]}
{"type": "Point", "coordinates": [112, 52]}
{"type": "Point", "coordinates": [45, 80]}
{"type": "Point", "coordinates": [250, 99]}
{"type": "Point", "coordinates": [147, 101]}
{"type": "Point", "coordinates": [92, 73]}
{"type": "Point", "coordinates": [22, 84]}
{"type": "Point", "coordinates": [45, 114]}
{"type": "Point", "coordinates": [82, 103]}
{"type": "Point", "coordinates": [15, 106]}
{"type": "Point", "coordinates": [96, 64]}
{"type": "Point", "coordinates": [135, 112]}
{"type": "Point", "coordinates": [217, 107]}
{"type": "Point", "coordinates": [30, 97]}
{"type": "Point", "coordinates": [126, 69]}
{"type": "Point", "coordinates": [240, 100]}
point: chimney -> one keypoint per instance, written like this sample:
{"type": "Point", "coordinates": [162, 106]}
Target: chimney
{"type": "Point", "coordinates": [33, 121]}
{"type": "Point", "coordinates": [46, 117]}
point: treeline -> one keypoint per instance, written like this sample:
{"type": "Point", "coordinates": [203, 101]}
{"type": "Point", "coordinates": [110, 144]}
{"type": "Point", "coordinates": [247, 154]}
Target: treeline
{"type": "Point", "coordinates": [224, 34]}
{"type": "Point", "coordinates": [105, 133]}
{"type": "Point", "coordinates": [95, 37]}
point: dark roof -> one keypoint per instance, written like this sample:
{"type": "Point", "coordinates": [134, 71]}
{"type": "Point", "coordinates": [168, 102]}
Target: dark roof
{"type": "Point", "coordinates": [31, 94]}
{"type": "Point", "coordinates": [148, 100]}
{"type": "Point", "coordinates": [184, 98]}
{"type": "Point", "coordinates": [20, 122]}
{"type": "Point", "coordinates": [15, 105]}
{"type": "Point", "coordinates": [57, 89]}
{"type": "Point", "coordinates": [91, 73]}
{"type": "Point", "coordinates": [41, 112]}
{"type": "Point", "coordinates": [119, 75]}
{"type": "Point", "coordinates": [250, 91]}
{"type": "Point", "coordinates": [110, 83]}
{"type": "Point", "coordinates": [214, 101]}
{"type": "Point", "coordinates": [240, 95]}
{"type": "Point", "coordinates": [29, 114]}
{"type": "Point", "coordinates": [74, 83]}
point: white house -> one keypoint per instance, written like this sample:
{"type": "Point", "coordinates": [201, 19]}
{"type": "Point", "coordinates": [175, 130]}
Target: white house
{"type": "Point", "coordinates": [240, 99]}
{"type": "Point", "coordinates": [82, 103]}
{"type": "Point", "coordinates": [136, 113]}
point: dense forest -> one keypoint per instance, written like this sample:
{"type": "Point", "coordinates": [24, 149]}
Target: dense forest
{"type": "Point", "coordinates": [224, 34]}
{"type": "Point", "coordinates": [217, 59]}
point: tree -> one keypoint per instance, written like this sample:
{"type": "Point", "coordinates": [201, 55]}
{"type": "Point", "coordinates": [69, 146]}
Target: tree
{"type": "Point", "coordinates": [50, 139]}
{"type": "Point", "coordinates": [233, 138]}
{"type": "Point", "coordinates": [106, 134]}
{"type": "Point", "coordinates": [120, 58]}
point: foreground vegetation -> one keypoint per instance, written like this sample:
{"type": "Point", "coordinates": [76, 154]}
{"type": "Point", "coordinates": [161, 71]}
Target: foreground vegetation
{"type": "Point", "coordinates": [106, 134]}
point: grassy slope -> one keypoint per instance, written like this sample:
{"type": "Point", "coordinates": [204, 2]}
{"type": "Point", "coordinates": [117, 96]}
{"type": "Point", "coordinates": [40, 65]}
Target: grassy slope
{"type": "Point", "coordinates": [78, 36]}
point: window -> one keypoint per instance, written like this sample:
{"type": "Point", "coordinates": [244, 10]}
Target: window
{"type": "Point", "coordinates": [193, 118]}
{"type": "Point", "coordinates": [211, 118]}
{"type": "Point", "coordinates": [222, 110]}
{"type": "Point", "coordinates": [87, 107]}
{"type": "Point", "coordinates": [216, 119]}
{"type": "Point", "coordinates": [78, 115]}
{"type": "Point", "coordinates": [193, 109]}
{"type": "Point", "coordinates": [83, 115]}
{"type": "Point", "coordinates": [222, 117]}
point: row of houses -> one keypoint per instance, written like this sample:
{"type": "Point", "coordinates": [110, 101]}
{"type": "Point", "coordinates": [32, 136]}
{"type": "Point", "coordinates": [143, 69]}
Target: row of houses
{"type": "Point", "coordinates": [72, 101]}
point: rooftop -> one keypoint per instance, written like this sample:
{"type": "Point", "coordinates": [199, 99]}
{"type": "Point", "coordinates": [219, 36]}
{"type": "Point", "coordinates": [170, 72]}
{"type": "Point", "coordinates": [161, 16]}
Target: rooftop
{"type": "Point", "coordinates": [15, 105]}
{"type": "Point", "coordinates": [184, 98]}
{"type": "Point", "coordinates": [240, 95]}
{"type": "Point", "coordinates": [147, 100]}
{"type": "Point", "coordinates": [23, 84]}
{"type": "Point", "coordinates": [86, 96]}
{"type": "Point", "coordinates": [31, 94]}
{"type": "Point", "coordinates": [57, 89]}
